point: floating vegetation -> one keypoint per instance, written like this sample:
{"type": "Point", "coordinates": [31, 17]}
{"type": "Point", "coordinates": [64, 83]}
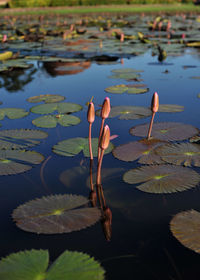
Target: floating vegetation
{"type": "Point", "coordinates": [20, 138]}
{"type": "Point", "coordinates": [73, 146]}
{"type": "Point", "coordinates": [34, 264]}
{"type": "Point", "coordinates": [61, 108]}
{"type": "Point", "coordinates": [186, 154]}
{"type": "Point", "coordinates": [162, 178]}
{"type": "Point", "coordinates": [127, 74]}
{"type": "Point", "coordinates": [167, 131]}
{"type": "Point", "coordinates": [46, 98]}
{"type": "Point", "coordinates": [50, 121]}
{"type": "Point", "coordinates": [130, 89]}
{"type": "Point", "coordinates": [170, 108]}
{"type": "Point", "coordinates": [185, 226]}
{"type": "Point", "coordinates": [12, 113]}
{"type": "Point", "coordinates": [10, 65]}
{"type": "Point", "coordinates": [55, 214]}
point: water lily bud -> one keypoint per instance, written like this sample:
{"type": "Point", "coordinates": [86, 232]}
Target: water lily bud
{"type": "Point", "coordinates": [155, 103]}
{"type": "Point", "coordinates": [105, 110]}
{"type": "Point", "coordinates": [105, 138]}
{"type": "Point", "coordinates": [108, 214]}
{"type": "Point", "coordinates": [107, 229]}
{"type": "Point", "coordinates": [93, 198]}
{"type": "Point", "coordinates": [91, 113]}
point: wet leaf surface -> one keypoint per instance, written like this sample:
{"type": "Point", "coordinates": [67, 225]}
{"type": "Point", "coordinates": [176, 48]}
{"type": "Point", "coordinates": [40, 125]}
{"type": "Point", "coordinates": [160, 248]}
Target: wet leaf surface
{"type": "Point", "coordinates": [58, 107]}
{"type": "Point", "coordinates": [12, 113]}
{"type": "Point", "coordinates": [50, 121]}
{"type": "Point", "coordinates": [162, 178]}
{"type": "Point", "coordinates": [55, 214]}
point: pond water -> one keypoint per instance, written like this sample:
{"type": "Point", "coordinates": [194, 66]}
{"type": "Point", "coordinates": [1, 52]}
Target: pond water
{"type": "Point", "coordinates": [142, 245]}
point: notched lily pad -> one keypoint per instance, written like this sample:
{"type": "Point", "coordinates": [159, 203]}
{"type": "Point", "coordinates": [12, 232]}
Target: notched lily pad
{"type": "Point", "coordinates": [55, 214]}
{"type": "Point", "coordinates": [74, 146]}
{"type": "Point", "coordinates": [127, 74]}
{"type": "Point", "coordinates": [144, 150]}
{"type": "Point", "coordinates": [50, 121]}
{"type": "Point", "coordinates": [162, 178]}
{"type": "Point", "coordinates": [34, 265]}
{"type": "Point", "coordinates": [12, 113]}
{"type": "Point", "coordinates": [59, 107]}
{"type": "Point", "coordinates": [20, 138]}
{"type": "Point", "coordinates": [186, 154]}
{"type": "Point", "coordinates": [185, 226]}
{"type": "Point", "coordinates": [119, 89]}
{"type": "Point", "coordinates": [168, 131]}
{"type": "Point", "coordinates": [46, 98]}
{"type": "Point", "coordinates": [17, 161]}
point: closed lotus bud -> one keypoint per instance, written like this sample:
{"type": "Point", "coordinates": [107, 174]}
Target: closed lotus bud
{"type": "Point", "coordinates": [105, 138]}
{"type": "Point", "coordinates": [107, 229]}
{"type": "Point", "coordinates": [105, 110]}
{"type": "Point", "coordinates": [155, 103]}
{"type": "Point", "coordinates": [108, 214]}
{"type": "Point", "coordinates": [91, 113]}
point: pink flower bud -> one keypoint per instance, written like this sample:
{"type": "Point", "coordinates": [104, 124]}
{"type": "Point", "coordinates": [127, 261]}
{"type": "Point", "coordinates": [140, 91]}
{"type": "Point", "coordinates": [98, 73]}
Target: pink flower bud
{"type": "Point", "coordinates": [122, 37]}
{"type": "Point", "coordinates": [91, 113]}
{"type": "Point", "coordinates": [155, 103]}
{"type": "Point", "coordinates": [105, 138]}
{"type": "Point", "coordinates": [105, 110]}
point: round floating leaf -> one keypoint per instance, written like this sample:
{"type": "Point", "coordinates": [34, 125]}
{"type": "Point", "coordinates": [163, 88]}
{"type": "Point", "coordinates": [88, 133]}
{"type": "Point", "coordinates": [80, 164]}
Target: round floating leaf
{"type": "Point", "coordinates": [162, 178]}
{"type": "Point", "coordinates": [20, 138]}
{"type": "Point", "coordinates": [12, 113]}
{"type": "Point", "coordinates": [119, 89]}
{"type": "Point", "coordinates": [59, 107]}
{"type": "Point", "coordinates": [170, 108]}
{"type": "Point", "coordinates": [144, 150]}
{"type": "Point", "coordinates": [125, 76]}
{"type": "Point", "coordinates": [74, 146]}
{"type": "Point", "coordinates": [185, 226]}
{"type": "Point", "coordinates": [126, 70]}
{"type": "Point", "coordinates": [50, 121]}
{"type": "Point", "coordinates": [33, 265]}
{"type": "Point", "coordinates": [55, 214]}
{"type": "Point", "coordinates": [186, 154]}
{"type": "Point", "coordinates": [168, 131]}
{"type": "Point", "coordinates": [9, 161]}
{"type": "Point", "coordinates": [46, 98]}
{"type": "Point", "coordinates": [128, 112]}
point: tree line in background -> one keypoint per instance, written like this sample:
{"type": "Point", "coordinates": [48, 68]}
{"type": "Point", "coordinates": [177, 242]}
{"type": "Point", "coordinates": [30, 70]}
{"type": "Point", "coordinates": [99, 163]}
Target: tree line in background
{"type": "Point", "coordinates": [43, 3]}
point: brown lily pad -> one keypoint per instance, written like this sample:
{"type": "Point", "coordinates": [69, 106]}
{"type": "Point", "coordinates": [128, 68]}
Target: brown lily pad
{"type": "Point", "coordinates": [162, 178]}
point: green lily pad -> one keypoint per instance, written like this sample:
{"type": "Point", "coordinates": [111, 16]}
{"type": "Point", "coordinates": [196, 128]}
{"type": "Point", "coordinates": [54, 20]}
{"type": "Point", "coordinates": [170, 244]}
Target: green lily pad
{"type": "Point", "coordinates": [162, 178]}
{"type": "Point", "coordinates": [185, 226]}
{"type": "Point", "coordinates": [59, 107]}
{"type": "Point", "coordinates": [33, 265]}
{"type": "Point", "coordinates": [12, 64]}
{"type": "Point", "coordinates": [143, 150]}
{"type": "Point", "coordinates": [170, 108]}
{"type": "Point", "coordinates": [186, 154]}
{"type": "Point", "coordinates": [167, 131]}
{"type": "Point", "coordinates": [126, 70]}
{"type": "Point", "coordinates": [119, 89]}
{"type": "Point", "coordinates": [50, 121]}
{"type": "Point", "coordinates": [46, 98]}
{"type": "Point", "coordinates": [12, 113]}
{"type": "Point", "coordinates": [55, 214]}
{"type": "Point", "coordinates": [127, 74]}
{"type": "Point", "coordinates": [72, 147]}
{"type": "Point", "coordinates": [15, 161]}
{"type": "Point", "coordinates": [20, 138]}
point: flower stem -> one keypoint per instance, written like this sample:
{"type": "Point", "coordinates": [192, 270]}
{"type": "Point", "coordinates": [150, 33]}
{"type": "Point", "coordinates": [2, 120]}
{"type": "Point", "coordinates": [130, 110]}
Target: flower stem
{"type": "Point", "coordinates": [100, 133]}
{"type": "Point", "coordinates": [90, 141]}
{"type": "Point", "coordinates": [150, 126]}
{"type": "Point", "coordinates": [99, 167]}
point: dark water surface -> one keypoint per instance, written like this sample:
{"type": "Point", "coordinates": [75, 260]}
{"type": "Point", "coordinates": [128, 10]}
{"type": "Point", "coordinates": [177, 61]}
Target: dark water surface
{"type": "Point", "coordinates": [142, 246]}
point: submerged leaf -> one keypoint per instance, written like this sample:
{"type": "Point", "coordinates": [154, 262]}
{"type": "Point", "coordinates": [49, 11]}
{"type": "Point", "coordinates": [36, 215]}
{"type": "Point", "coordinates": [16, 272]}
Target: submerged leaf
{"type": "Point", "coordinates": [162, 178]}
{"type": "Point", "coordinates": [33, 265]}
{"type": "Point", "coordinates": [59, 107]}
{"type": "Point", "coordinates": [187, 154]}
{"type": "Point", "coordinates": [50, 121]}
{"type": "Point", "coordinates": [55, 214]}
{"type": "Point", "coordinates": [168, 131]}
{"type": "Point", "coordinates": [46, 98]}
{"type": "Point", "coordinates": [185, 226]}
{"type": "Point", "coordinates": [20, 138]}
{"type": "Point", "coordinates": [74, 146]}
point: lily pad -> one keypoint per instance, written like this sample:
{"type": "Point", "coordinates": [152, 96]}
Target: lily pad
{"type": "Point", "coordinates": [186, 154]}
{"type": "Point", "coordinates": [127, 74]}
{"type": "Point", "coordinates": [126, 70]}
{"type": "Point", "coordinates": [20, 138]}
{"type": "Point", "coordinates": [162, 178]}
{"type": "Point", "coordinates": [144, 150]}
{"type": "Point", "coordinates": [185, 226]}
{"type": "Point", "coordinates": [33, 264]}
{"type": "Point", "coordinates": [15, 161]}
{"type": "Point", "coordinates": [50, 121]}
{"type": "Point", "coordinates": [55, 214]}
{"type": "Point", "coordinates": [170, 108]}
{"type": "Point", "coordinates": [73, 146]}
{"type": "Point", "coordinates": [168, 131]}
{"type": "Point", "coordinates": [119, 89]}
{"type": "Point", "coordinates": [46, 98]}
{"type": "Point", "coordinates": [12, 113]}
{"type": "Point", "coordinates": [59, 107]}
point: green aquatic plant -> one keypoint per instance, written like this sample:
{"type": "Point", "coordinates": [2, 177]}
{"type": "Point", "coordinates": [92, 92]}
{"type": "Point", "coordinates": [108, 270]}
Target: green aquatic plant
{"type": "Point", "coordinates": [46, 98]}
{"type": "Point", "coordinates": [50, 121]}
